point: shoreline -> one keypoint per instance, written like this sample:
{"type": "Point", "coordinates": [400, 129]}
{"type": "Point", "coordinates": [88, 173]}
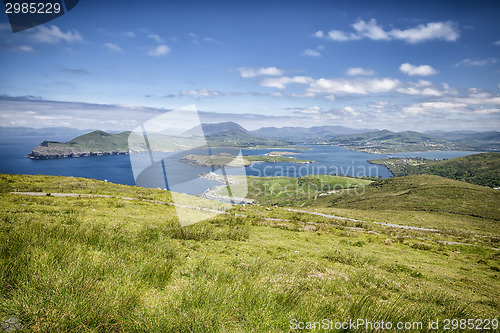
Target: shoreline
{"type": "Point", "coordinates": [211, 193]}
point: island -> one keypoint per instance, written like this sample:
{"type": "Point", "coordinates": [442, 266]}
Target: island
{"type": "Point", "coordinates": [96, 143]}
{"type": "Point", "coordinates": [223, 159]}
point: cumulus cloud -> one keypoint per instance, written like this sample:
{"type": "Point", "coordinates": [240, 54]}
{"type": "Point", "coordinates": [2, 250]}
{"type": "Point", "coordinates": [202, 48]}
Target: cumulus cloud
{"type": "Point", "coordinates": [426, 88]}
{"type": "Point", "coordinates": [422, 70]}
{"type": "Point", "coordinates": [247, 72]}
{"type": "Point", "coordinates": [319, 34]}
{"type": "Point", "coordinates": [207, 93]}
{"type": "Point", "coordinates": [446, 31]}
{"type": "Point", "coordinates": [477, 62]}
{"type": "Point", "coordinates": [353, 86]}
{"type": "Point", "coordinates": [159, 51]}
{"type": "Point", "coordinates": [358, 71]}
{"type": "Point", "coordinates": [433, 107]}
{"type": "Point", "coordinates": [283, 81]}
{"type": "Point", "coordinates": [53, 35]}
{"type": "Point", "coordinates": [379, 105]}
{"type": "Point", "coordinates": [479, 97]}
{"type": "Point", "coordinates": [311, 53]}
{"type": "Point", "coordinates": [370, 30]}
{"type": "Point", "coordinates": [310, 110]}
{"type": "Point", "coordinates": [112, 47]}
{"type": "Point", "coordinates": [201, 92]}
{"type": "Point", "coordinates": [156, 38]}
{"type": "Point", "coordinates": [350, 111]}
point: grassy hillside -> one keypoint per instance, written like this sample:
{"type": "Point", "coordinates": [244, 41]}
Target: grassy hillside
{"type": "Point", "coordinates": [240, 138]}
{"type": "Point", "coordinates": [112, 264]}
{"type": "Point", "coordinates": [480, 169]}
{"type": "Point", "coordinates": [422, 192]}
{"type": "Point", "coordinates": [390, 142]}
{"type": "Point", "coordinates": [286, 191]}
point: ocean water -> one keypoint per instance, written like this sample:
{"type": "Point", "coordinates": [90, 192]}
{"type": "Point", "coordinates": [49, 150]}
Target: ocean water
{"type": "Point", "coordinates": [118, 169]}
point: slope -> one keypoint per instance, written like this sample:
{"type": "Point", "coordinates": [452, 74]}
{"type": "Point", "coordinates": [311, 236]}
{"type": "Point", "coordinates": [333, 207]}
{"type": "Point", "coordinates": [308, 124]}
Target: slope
{"type": "Point", "coordinates": [480, 169]}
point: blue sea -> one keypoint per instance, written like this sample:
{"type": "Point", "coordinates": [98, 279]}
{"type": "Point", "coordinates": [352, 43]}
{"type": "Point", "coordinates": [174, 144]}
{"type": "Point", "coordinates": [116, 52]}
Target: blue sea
{"type": "Point", "coordinates": [117, 169]}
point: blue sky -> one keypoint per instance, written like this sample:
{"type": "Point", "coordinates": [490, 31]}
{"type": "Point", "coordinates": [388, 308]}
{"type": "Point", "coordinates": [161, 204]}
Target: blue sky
{"type": "Point", "coordinates": [400, 65]}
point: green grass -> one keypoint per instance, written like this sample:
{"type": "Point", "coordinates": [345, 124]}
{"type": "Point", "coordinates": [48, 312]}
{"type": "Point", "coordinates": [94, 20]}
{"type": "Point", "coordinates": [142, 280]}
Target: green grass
{"type": "Point", "coordinates": [109, 264]}
{"type": "Point", "coordinates": [480, 169]}
{"type": "Point", "coordinates": [286, 191]}
{"type": "Point", "coordinates": [420, 193]}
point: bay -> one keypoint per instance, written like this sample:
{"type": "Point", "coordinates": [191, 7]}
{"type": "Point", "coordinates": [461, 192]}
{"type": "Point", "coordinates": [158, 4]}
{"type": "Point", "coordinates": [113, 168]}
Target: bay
{"type": "Point", "coordinates": [117, 169]}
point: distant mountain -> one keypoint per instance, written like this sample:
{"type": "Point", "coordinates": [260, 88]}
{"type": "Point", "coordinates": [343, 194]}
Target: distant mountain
{"type": "Point", "coordinates": [304, 134]}
{"type": "Point", "coordinates": [48, 132]}
{"type": "Point", "coordinates": [230, 134]}
{"type": "Point", "coordinates": [386, 141]}
{"type": "Point", "coordinates": [99, 143]}
{"type": "Point", "coordinates": [464, 136]}
{"type": "Point", "coordinates": [480, 141]}
{"type": "Point", "coordinates": [209, 129]}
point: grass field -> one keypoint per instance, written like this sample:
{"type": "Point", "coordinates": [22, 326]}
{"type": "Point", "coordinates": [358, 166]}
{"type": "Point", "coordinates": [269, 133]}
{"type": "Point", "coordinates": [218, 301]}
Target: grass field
{"type": "Point", "coordinates": [480, 169]}
{"type": "Point", "coordinates": [284, 191]}
{"type": "Point", "coordinates": [110, 264]}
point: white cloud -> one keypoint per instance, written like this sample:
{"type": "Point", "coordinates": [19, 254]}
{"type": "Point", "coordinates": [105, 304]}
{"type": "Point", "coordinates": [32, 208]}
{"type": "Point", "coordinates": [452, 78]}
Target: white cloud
{"type": "Point", "coordinates": [305, 95]}
{"type": "Point", "coordinates": [311, 53]}
{"type": "Point", "coordinates": [433, 107]}
{"type": "Point", "coordinates": [370, 30]}
{"type": "Point", "coordinates": [435, 30]}
{"type": "Point", "coordinates": [479, 97]}
{"type": "Point", "coordinates": [431, 31]}
{"type": "Point", "coordinates": [112, 47]}
{"type": "Point", "coordinates": [201, 92]}
{"type": "Point", "coordinates": [282, 82]}
{"type": "Point", "coordinates": [319, 34]}
{"type": "Point", "coordinates": [253, 72]}
{"type": "Point", "coordinates": [477, 63]}
{"type": "Point", "coordinates": [422, 70]}
{"type": "Point", "coordinates": [156, 38]}
{"type": "Point", "coordinates": [341, 36]}
{"type": "Point", "coordinates": [497, 42]}
{"type": "Point", "coordinates": [426, 88]}
{"type": "Point", "coordinates": [159, 51]}
{"type": "Point", "coordinates": [353, 86]}
{"type": "Point", "coordinates": [379, 105]}
{"type": "Point", "coordinates": [130, 34]}
{"type": "Point", "coordinates": [53, 35]}
{"type": "Point", "coordinates": [312, 110]}
{"type": "Point", "coordinates": [358, 71]}
{"type": "Point", "coordinates": [277, 94]}
{"type": "Point", "coordinates": [350, 111]}
{"type": "Point", "coordinates": [23, 48]}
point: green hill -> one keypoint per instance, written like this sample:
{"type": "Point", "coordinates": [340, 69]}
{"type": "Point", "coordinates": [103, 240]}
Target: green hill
{"type": "Point", "coordinates": [420, 193]}
{"type": "Point", "coordinates": [480, 169]}
{"type": "Point", "coordinates": [389, 142]}
{"type": "Point", "coordinates": [111, 258]}
{"type": "Point", "coordinates": [90, 144]}
{"type": "Point", "coordinates": [240, 138]}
